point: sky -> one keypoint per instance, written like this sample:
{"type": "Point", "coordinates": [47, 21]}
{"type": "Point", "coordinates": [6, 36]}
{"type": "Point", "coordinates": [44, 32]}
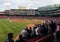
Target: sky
{"type": "Point", "coordinates": [14, 4]}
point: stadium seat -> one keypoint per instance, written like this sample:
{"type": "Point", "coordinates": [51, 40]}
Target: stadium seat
{"type": "Point", "coordinates": [46, 38]}
{"type": "Point", "coordinates": [34, 39]}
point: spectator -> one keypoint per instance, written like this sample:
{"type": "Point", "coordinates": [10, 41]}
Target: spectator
{"type": "Point", "coordinates": [10, 36]}
{"type": "Point", "coordinates": [21, 39]}
{"type": "Point", "coordinates": [24, 33]}
{"type": "Point", "coordinates": [33, 34]}
{"type": "Point", "coordinates": [48, 26]}
{"type": "Point", "coordinates": [58, 27]}
{"type": "Point", "coordinates": [49, 30]}
{"type": "Point", "coordinates": [58, 35]}
{"type": "Point", "coordinates": [58, 32]}
{"type": "Point", "coordinates": [29, 32]}
{"type": "Point", "coordinates": [53, 26]}
{"type": "Point", "coordinates": [43, 30]}
{"type": "Point", "coordinates": [37, 30]}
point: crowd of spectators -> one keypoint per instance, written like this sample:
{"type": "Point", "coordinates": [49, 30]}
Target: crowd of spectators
{"type": "Point", "coordinates": [42, 30]}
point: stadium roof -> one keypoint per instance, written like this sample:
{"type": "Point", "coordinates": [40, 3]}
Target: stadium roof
{"type": "Point", "coordinates": [50, 7]}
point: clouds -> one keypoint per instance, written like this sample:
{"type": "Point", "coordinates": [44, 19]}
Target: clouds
{"type": "Point", "coordinates": [7, 4]}
{"type": "Point", "coordinates": [36, 3]}
{"type": "Point", "coordinates": [27, 3]}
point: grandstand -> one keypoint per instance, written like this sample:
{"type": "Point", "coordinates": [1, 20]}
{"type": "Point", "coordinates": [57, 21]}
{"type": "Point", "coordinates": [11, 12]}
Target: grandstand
{"type": "Point", "coordinates": [47, 11]}
{"type": "Point", "coordinates": [52, 10]}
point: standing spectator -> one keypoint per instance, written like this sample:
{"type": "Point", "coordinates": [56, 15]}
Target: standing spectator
{"type": "Point", "coordinates": [36, 30]}
{"type": "Point", "coordinates": [58, 33]}
{"type": "Point", "coordinates": [29, 32]}
{"type": "Point", "coordinates": [20, 39]}
{"type": "Point", "coordinates": [10, 36]}
{"type": "Point", "coordinates": [43, 30]}
{"type": "Point", "coordinates": [58, 27]}
{"type": "Point", "coordinates": [53, 26]}
{"type": "Point", "coordinates": [48, 26]}
{"type": "Point", "coordinates": [24, 33]}
{"type": "Point", "coordinates": [33, 34]}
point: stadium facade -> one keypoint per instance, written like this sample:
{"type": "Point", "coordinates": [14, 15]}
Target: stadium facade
{"type": "Point", "coordinates": [41, 11]}
{"type": "Point", "coordinates": [21, 12]}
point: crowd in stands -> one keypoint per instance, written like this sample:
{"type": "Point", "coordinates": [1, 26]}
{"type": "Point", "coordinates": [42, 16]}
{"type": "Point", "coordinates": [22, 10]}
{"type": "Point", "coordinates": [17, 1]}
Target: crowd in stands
{"type": "Point", "coordinates": [42, 30]}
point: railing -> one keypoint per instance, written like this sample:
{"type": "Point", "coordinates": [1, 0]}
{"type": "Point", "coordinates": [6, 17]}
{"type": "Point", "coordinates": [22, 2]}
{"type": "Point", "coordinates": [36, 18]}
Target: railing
{"type": "Point", "coordinates": [34, 39]}
{"type": "Point", "coordinates": [45, 39]}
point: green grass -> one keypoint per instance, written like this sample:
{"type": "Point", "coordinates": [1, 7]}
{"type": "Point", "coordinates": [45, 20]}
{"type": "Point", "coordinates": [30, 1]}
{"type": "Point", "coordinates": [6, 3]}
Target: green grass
{"type": "Point", "coordinates": [6, 27]}
{"type": "Point", "coordinates": [14, 27]}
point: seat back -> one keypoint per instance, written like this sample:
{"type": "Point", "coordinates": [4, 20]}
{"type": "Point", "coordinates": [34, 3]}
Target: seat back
{"type": "Point", "coordinates": [46, 38]}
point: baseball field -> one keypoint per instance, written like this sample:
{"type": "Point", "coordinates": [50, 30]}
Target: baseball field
{"type": "Point", "coordinates": [13, 25]}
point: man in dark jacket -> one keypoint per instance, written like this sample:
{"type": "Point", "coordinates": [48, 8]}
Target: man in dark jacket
{"type": "Point", "coordinates": [10, 36]}
{"type": "Point", "coordinates": [43, 30]}
{"type": "Point", "coordinates": [21, 39]}
{"type": "Point", "coordinates": [53, 26]}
